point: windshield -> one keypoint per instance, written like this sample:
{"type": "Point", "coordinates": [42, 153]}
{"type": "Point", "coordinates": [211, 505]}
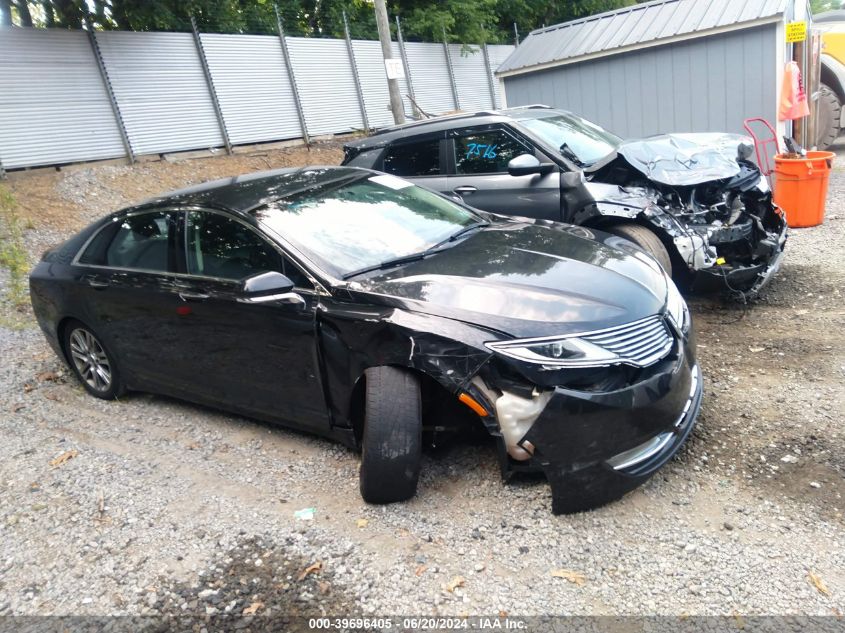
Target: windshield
{"type": "Point", "coordinates": [354, 225]}
{"type": "Point", "coordinates": [574, 136]}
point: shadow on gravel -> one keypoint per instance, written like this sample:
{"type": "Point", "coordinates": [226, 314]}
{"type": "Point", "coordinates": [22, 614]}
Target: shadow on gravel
{"type": "Point", "coordinates": [257, 586]}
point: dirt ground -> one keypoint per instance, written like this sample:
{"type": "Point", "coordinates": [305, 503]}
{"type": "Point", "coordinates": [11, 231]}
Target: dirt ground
{"type": "Point", "coordinates": [747, 519]}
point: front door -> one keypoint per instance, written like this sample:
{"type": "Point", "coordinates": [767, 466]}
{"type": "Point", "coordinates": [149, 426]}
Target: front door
{"type": "Point", "coordinates": [480, 158]}
{"type": "Point", "coordinates": [255, 357]}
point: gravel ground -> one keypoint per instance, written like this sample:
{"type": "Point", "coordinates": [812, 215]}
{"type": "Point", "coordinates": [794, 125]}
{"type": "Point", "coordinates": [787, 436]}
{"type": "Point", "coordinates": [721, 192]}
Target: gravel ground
{"type": "Point", "coordinates": [149, 505]}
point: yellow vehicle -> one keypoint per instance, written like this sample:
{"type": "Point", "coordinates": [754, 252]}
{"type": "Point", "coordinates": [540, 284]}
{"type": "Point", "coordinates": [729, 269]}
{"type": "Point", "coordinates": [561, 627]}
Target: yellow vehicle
{"type": "Point", "coordinates": [830, 122]}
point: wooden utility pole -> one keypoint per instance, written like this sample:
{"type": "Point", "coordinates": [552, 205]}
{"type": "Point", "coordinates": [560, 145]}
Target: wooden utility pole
{"type": "Point", "coordinates": [387, 51]}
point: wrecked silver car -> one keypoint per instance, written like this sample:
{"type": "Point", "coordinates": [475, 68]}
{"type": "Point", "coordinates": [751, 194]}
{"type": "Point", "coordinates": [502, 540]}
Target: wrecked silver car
{"type": "Point", "coordinates": [695, 202]}
{"type": "Point", "coordinates": [705, 200]}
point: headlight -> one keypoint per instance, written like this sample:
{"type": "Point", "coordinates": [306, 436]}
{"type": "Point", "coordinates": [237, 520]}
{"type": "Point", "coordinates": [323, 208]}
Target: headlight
{"type": "Point", "coordinates": [676, 307]}
{"type": "Point", "coordinates": [638, 343]}
{"type": "Point", "coordinates": [562, 352]}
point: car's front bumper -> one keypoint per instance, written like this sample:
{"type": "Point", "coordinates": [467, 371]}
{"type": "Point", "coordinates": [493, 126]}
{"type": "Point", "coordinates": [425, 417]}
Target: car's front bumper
{"type": "Point", "coordinates": [746, 281]}
{"type": "Point", "coordinates": [594, 447]}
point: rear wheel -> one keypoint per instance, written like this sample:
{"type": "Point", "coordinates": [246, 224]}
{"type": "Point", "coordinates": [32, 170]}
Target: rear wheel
{"type": "Point", "coordinates": [392, 439]}
{"type": "Point", "coordinates": [827, 127]}
{"type": "Point", "coordinates": [646, 240]}
{"type": "Point", "coordinates": [93, 365]}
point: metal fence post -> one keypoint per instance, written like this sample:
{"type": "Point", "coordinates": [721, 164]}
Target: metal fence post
{"type": "Point", "coordinates": [489, 74]}
{"type": "Point", "coordinates": [210, 83]}
{"type": "Point", "coordinates": [115, 107]}
{"type": "Point", "coordinates": [291, 77]}
{"type": "Point", "coordinates": [407, 67]}
{"type": "Point", "coordinates": [358, 88]}
{"type": "Point", "coordinates": [2, 171]}
{"type": "Point", "coordinates": [451, 72]}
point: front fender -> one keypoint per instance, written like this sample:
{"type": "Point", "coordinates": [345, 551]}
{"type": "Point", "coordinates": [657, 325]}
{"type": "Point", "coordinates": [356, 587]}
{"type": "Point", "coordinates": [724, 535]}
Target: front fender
{"type": "Point", "coordinates": [352, 339]}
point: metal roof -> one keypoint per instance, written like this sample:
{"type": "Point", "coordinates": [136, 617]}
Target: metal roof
{"type": "Point", "coordinates": [637, 26]}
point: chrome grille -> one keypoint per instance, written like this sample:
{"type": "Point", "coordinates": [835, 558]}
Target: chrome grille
{"type": "Point", "coordinates": [640, 343]}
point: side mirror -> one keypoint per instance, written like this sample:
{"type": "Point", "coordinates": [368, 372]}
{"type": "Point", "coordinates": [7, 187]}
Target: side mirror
{"type": "Point", "coordinates": [267, 287]}
{"type": "Point", "coordinates": [527, 164]}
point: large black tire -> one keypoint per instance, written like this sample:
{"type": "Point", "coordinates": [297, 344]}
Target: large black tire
{"type": "Point", "coordinates": [646, 240]}
{"type": "Point", "coordinates": [392, 439]}
{"type": "Point", "coordinates": [827, 125]}
{"type": "Point", "coordinates": [91, 362]}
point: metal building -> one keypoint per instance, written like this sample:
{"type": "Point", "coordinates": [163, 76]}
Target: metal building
{"type": "Point", "coordinates": [657, 67]}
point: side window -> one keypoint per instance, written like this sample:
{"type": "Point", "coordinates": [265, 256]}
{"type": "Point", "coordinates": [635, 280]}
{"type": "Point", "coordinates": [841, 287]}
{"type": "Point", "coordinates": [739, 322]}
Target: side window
{"type": "Point", "coordinates": [486, 152]}
{"type": "Point", "coordinates": [217, 246]}
{"type": "Point", "coordinates": [413, 159]}
{"type": "Point", "coordinates": [142, 242]}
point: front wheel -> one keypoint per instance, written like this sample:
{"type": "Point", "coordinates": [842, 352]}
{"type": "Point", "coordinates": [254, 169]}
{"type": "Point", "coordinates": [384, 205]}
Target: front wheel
{"type": "Point", "coordinates": [646, 240]}
{"type": "Point", "coordinates": [91, 362]}
{"type": "Point", "coordinates": [392, 440]}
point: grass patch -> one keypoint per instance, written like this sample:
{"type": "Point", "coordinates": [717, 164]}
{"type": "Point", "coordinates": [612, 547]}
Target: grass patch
{"type": "Point", "coordinates": [13, 255]}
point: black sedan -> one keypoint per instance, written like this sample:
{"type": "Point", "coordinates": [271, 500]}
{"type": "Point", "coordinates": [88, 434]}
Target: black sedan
{"type": "Point", "coordinates": [358, 306]}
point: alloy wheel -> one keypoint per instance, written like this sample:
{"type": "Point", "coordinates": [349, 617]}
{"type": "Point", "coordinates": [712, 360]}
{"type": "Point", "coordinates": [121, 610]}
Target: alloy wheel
{"type": "Point", "coordinates": [90, 360]}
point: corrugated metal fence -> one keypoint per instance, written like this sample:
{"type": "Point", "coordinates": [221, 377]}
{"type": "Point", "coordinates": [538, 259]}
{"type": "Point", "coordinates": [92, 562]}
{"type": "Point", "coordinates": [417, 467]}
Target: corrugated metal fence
{"type": "Point", "coordinates": [69, 96]}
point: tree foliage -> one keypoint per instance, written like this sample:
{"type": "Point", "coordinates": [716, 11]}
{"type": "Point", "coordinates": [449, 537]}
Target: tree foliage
{"type": "Point", "coordinates": [466, 21]}
{"type": "Point", "coordinates": [820, 6]}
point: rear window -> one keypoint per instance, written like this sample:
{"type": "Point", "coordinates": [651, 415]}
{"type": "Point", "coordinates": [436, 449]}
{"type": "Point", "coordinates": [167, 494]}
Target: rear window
{"type": "Point", "coordinates": [413, 159]}
{"type": "Point", "coordinates": [139, 242]}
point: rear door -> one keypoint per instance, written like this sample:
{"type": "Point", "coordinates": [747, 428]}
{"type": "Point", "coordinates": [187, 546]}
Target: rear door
{"type": "Point", "coordinates": [478, 160]}
{"type": "Point", "coordinates": [421, 159]}
{"type": "Point", "coordinates": [129, 283]}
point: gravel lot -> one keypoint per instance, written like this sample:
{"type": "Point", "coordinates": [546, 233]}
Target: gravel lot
{"type": "Point", "coordinates": [165, 507]}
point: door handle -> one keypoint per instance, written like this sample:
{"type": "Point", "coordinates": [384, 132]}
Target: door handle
{"type": "Point", "coordinates": [97, 284]}
{"type": "Point", "coordinates": [465, 190]}
{"type": "Point", "coordinates": [192, 296]}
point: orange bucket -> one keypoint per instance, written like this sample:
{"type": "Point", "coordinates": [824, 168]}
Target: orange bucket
{"type": "Point", "coordinates": [801, 187]}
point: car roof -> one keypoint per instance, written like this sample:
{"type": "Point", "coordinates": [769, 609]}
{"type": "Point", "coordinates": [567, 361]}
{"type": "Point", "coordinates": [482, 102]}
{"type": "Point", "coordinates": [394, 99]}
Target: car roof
{"type": "Point", "coordinates": [450, 122]}
{"type": "Point", "coordinates": [242, 194]}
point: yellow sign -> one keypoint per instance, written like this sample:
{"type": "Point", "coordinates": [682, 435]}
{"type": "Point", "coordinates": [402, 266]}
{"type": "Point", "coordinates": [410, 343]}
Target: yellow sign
{"type": "Point", "coordinates": [796, 31]}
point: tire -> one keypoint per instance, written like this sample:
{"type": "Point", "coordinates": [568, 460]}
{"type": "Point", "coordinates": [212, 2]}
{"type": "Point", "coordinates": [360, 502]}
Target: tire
{"type": "Point", "coordinates": [392, 439]}
{"type": "Point", "coordinates": [91, 362]}
{"type": "Point", "coordinates": [827, 127]}
{"type": "Point", "coordinates": [646, 240]}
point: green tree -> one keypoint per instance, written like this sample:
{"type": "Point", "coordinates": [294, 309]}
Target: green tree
{"type": "Point", "coordinates": [464, 21]}
{"type": "Point", "coordinates": [820, 6]}
{"type": "Point", "coordinates": [5, 13]}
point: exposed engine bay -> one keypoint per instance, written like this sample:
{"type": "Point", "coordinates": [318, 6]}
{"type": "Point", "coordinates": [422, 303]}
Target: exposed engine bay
{"type": "Point", "coordinates": [706, 200]}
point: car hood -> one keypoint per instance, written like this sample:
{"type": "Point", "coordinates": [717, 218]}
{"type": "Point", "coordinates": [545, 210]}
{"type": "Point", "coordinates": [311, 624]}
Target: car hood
{"type": "Point", "coordinates": [525, 279]}
{"type": "Point", "coordinates": [682, 159]}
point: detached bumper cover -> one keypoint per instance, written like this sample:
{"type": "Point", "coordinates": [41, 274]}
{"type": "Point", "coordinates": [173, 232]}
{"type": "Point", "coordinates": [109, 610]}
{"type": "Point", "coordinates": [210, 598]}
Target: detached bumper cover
{"type": "Point", "coordinates": [595, 447]}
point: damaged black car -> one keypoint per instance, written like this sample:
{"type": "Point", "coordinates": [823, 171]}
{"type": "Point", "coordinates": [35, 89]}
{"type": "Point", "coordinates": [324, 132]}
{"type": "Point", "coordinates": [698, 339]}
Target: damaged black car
{"type": "Point", "coordinates": [358, 306]}
{"type": "Point", "coordinates": [696, 202]}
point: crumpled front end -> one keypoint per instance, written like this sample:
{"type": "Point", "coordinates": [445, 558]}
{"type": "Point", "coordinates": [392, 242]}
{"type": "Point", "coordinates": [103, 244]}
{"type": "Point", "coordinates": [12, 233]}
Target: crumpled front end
{"type": "Point", "coordinates": [595, 447]}
{"type": "Point", "coordinates": [727, 239]}
{"type": "Point", "coordinates": [706, 199]}
{"type": "Point", "coordinates": [595, 433]}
